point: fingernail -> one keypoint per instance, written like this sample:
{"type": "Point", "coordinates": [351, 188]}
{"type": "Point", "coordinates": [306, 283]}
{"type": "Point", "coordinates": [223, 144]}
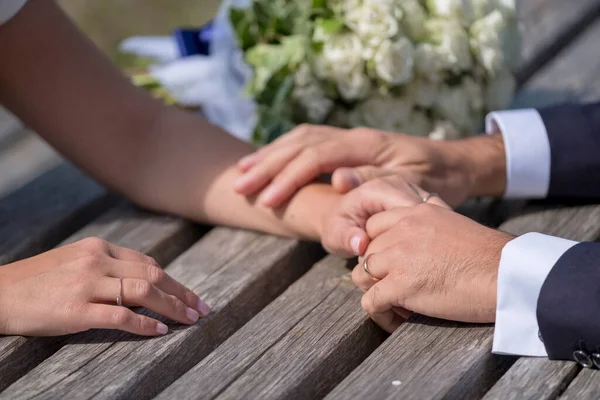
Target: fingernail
{"type": "Point", "coordinates": [351, 176]}
{"type": "Point", "coordinates": [240, 183]}
{"type": "Point", "coordinates": [203, 308]}
{"type": "Point", "coordinates": [267, 197]}
{"type": "Point", "coordinates": [192, 314]}
{"type": "Point", "coordinates": [355, 245]}
{"type": "Point", "coordinates": [162, 328]}
{"type": "Point", "coordinates": [247, 160]}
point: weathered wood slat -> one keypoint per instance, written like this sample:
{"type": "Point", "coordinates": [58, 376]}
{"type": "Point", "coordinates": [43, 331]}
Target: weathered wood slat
{"type": "Point", "coordinates": [300, 346]}
{"type": "Point", "coordinates": [44, 212]}
{"type": "Point", "coordinates": [236, 272]}
{"type": "Point", "coordinates": [24, 157]}
{"type": "Point", "coordinates": [162, 237]}
{"type": "Point", "coordinates": [544, 379]}
{"type": "Point", "coordinates": [585, 387]}
{"type": "Point", "coordinates": [423, 370]}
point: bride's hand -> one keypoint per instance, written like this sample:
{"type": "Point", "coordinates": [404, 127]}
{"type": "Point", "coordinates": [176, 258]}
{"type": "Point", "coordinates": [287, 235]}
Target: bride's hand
{"type": "Point", "coordinates": [74, 288]}
{"type": "Point", "coordinates": [343, 230]}
{"type": "Point", "coordinates": [454, 169]}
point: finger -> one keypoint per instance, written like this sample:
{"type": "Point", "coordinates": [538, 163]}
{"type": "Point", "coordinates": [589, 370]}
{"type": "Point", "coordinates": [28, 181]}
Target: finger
{"type": "Point", "coordinates": [386, 220]}
{"type": "Point", "coordinates": [138, 292]}
{"type": "Point", "coordinates": [358, 206]}
{"type": "Point", "coordinates": [382, 296]}
{"type": "Point", "coordinates": [264, 171]}
{"type": "Point", "coordinates": [403, 312]}
{"type": "Point", "coordinates": [325, 157]}
{"type": "Point", "coordinates": [161, 280]}
{"type": "Point", "coordinates": [251, 160]}
{"type": "Point", "coordinates": [125, 254]}
{"type": "Point", "coordinates": [377, 266]}
{"type": "Point", "coordinates": [389, 321]}
{"type": "Point", "coordinates": [344, 180]}
{"type": "Point", "coordinates": [98, 316]}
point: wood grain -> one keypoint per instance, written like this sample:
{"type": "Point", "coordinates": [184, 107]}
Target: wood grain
{"type": "Point", "coordinates": [300, 346]}
{"type": "Point", "coordinates": [544, 379]}
{"type": "Point", "coordinates": [564, 79]}
{"type": "Point", "coordinates": [44, 212]}
{"type": "Point", "coordinates": [162, 237]}
{"type": "Point", "coordinates": [549, 26]}
{"type": "Point", "coordinates": [585, 387]}
{"type": "Point", "coordinates": [237, 272]}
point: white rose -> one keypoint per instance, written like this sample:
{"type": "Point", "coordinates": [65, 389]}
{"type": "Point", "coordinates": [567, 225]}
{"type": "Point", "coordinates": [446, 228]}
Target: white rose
{"type": "Point", "coordinates": [417, 124]}
{"type": "Point", "coordinates": [385, 112]}
{"type": "Point", "coordinates": [496, 42]}
{"type": "Point", "coordinates": [475, 92]}
{"type": "Point", "coordinates": [341, 54]}
{"type": "Point", "coordinates": [423, 92]}
{"type": "Point", "coordinates": [453, 103]}
{"type": "Point", "coordinates": [444, 130]}
{"type": "Point", "coordinates": [374, 21]}
{"type": "Point", "coordinates": [303, 76]}
{"type": "Point", "coordinates": [394, 61]}
{"type": "Point", "coordinates": [500, 91]}
{"type": "Point", "coordinates": [467, 11]}
{"type": "Point", "coordinates": [429, 63]}
{"type": "Point", "coordinates": [414, 18]}
{"type": "Point", "coordinates": [354, 86]}
{"type": "Point", "coordinates": [314, 101]}
{"type": "Point", "coordinates": [343, 6]}
{"type": "Point", "coordinates": [452, 44]}
{"type": "Point", "coordinates": [460, 10]}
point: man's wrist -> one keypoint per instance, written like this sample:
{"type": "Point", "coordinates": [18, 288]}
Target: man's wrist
{"type": "Point", "coordinates": [483, 159]}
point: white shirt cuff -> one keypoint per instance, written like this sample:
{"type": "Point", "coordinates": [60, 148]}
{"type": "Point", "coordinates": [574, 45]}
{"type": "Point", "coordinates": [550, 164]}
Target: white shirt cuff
{"type": "Point", "coordinates": [527, 152]}
{"type": "Point", "coordinates": [524, 266]}
{"type": "Point", "coordinates": [9, 8]}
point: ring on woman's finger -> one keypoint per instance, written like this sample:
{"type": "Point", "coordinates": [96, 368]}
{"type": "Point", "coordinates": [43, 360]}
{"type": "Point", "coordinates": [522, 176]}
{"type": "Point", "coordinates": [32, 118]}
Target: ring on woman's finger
{"type": "Point", "coordinates": [366, 268]}
{"type": "Point", "coordinates": [120, 295]}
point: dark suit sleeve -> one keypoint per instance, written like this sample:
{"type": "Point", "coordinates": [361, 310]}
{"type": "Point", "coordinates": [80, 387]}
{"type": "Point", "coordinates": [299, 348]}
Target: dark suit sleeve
{"type": "Point", "coordinates": [568, 309]}
{"type": "Point", "coordinates": [574, 135]}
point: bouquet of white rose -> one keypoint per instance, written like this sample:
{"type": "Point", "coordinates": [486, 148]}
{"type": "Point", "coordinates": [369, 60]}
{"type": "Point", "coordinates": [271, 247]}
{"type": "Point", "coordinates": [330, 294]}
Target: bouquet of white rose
{"type": "Point", "coordinates": [422, 67]}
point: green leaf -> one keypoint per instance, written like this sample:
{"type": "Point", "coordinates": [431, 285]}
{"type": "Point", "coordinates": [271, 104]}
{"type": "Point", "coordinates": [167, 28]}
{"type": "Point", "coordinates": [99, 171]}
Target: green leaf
{"type": "Point", "coordinates": [319, 4]}
{"type": "Point", "coordinates": [324, 28]}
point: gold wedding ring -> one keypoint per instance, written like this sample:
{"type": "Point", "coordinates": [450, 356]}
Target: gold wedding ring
{"type": "Point", "coordinates": [120, 295]}
{"type": "Point", "coordinates": [366, 268]}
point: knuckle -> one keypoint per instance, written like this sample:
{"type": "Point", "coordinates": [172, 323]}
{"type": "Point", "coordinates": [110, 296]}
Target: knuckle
{"type": "Point", "coordinates": [92, 262]}
{"type": "Point", "coordinates": [142, 289]}
{"type": "Point", "coordinates": [304, 130]}
{"type": "Point", "coordinates": [368, 300]}
{"type": "Point", "coordinates": [120, 316]}
{"type": "Point", "coordinates": [94, 244]}
{"type": "Point", "coordinates": [155, 274]}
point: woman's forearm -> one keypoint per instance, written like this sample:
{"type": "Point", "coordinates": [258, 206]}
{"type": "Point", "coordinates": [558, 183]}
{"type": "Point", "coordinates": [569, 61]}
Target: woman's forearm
{"type": "Point", "coordinates": [187, 167]}
{"type": "Point", "coordinates": [162, 158]}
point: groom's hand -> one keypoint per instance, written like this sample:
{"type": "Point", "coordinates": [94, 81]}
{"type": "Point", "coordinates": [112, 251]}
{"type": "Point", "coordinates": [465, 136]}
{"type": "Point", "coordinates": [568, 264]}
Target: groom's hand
{"type": "Point", "coordinates": [454, 169]}
{"type": "Point", "coordinates": [343, 230]}
{"type": "Point", "coordinates": [432, 261]}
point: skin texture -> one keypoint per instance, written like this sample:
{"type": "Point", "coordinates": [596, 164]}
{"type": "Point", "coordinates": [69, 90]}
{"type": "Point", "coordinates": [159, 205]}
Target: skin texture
{"type": "Point", "coordinates": [161, 158]}
{"type": "Point", "coordinates": [423, 268]}
{"type": "Point", "coordinates": [454, 169]}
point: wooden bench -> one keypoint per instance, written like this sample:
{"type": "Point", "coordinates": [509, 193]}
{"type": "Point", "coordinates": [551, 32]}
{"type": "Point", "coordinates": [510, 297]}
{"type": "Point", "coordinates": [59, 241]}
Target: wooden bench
{"type": "Point", "coordinates": [286, 320]}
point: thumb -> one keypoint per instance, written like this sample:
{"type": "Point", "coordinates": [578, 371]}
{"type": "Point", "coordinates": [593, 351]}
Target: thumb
{"type": "Point", "coordinates": [344, 180]}
{"type": "Point", "coordinates": [345, 239]}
